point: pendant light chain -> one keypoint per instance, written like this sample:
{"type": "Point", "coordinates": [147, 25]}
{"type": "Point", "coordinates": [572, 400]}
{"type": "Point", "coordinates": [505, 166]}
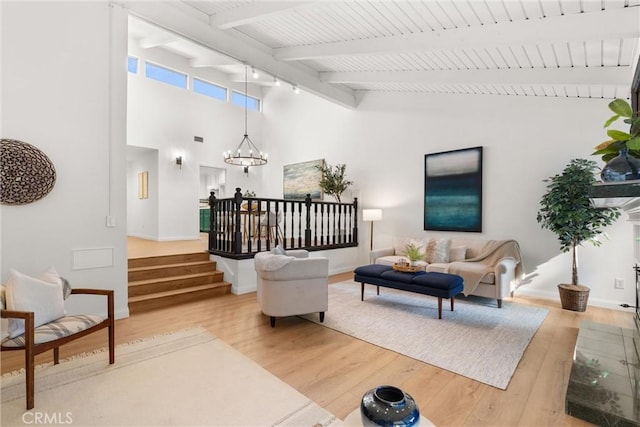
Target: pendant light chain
{"type": "Point", "coordinates": [236, 157]}
{"type": "Point", "coordinates": [246, 96]}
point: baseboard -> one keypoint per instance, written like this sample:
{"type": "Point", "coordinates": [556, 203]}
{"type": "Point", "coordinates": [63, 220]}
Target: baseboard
{"type": "Point", "coordinates": [175, 238]}
{"type": "Point", "coordinates": [342, 270]}
{"type": "Point", "coordinates": [142, 236]}
{"type": "Point", "coordinates": [554, 296]}
{"type": "Point", "coordinates": [122, 313]}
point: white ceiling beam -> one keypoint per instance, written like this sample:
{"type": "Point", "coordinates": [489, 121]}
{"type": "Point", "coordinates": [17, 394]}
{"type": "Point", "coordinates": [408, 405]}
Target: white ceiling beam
{"type": "Point", "coordinates": [254, 12]}
{"type": "Point", "coordinates": [156, 40]}
{"type": "Point", "coordinates": [607, 24]}
{"type": "Point", "coordinates": [212, 60]}
{"type": "Point", "coordinates": [171, 16]}
{"type": "Point", "coordinates": [553, 76]}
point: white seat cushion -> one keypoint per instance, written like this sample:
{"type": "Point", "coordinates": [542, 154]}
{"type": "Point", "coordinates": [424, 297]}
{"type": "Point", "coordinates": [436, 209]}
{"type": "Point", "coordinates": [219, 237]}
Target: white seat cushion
{"type": "Point", "coordinates": [60, 328]}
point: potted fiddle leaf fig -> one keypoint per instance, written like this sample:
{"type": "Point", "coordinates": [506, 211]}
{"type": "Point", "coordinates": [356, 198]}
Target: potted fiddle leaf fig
{"type": "Point", "coordinates": [620, 140]}
{"type": "Point", "coordinates": [622, 152]}
{"type": "Point", "coordinates": [566, 209]}
{"type": "Point", "coordinates": [334, 181]}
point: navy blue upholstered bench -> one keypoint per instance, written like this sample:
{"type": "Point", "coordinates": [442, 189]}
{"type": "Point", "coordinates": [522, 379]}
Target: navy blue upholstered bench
{"type": "Point", "coordinates": [441, 285]}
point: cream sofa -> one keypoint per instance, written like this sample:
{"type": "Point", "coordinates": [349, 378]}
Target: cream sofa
{"type": "Point", "coordinates": [490, 268]}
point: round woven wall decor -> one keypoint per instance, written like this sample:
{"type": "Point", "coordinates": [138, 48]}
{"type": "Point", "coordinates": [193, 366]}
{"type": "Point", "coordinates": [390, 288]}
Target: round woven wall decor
{"type": "Point", "coordinates": [26, 173]}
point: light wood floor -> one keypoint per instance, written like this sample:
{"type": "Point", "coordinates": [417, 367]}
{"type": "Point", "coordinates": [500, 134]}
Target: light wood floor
{"type": "Point", "coordinates": [334, 370]}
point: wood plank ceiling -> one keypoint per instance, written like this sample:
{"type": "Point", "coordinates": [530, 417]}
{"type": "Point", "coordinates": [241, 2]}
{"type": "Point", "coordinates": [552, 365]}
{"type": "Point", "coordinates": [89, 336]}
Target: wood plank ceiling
{"type": "Point", "coordinates": [341, 49]}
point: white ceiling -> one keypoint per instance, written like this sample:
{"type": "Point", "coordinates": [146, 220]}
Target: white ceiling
{"type": "Point", "coordinates": [341, 50]}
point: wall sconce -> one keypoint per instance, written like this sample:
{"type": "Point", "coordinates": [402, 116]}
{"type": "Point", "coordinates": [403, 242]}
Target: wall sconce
{"type": "Point", "coordinates": [179, 161]}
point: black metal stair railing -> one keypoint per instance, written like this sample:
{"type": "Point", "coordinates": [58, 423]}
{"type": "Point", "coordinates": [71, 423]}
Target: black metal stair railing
{"type": "Point", "coordinates": [241, 226]}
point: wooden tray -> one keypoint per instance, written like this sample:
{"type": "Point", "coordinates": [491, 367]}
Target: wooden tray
{"type": "Point", "coordinates": [407, 268]}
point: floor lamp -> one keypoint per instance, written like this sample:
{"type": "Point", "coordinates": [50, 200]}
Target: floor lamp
{"type": "Point", "coordinates": [371, 215]}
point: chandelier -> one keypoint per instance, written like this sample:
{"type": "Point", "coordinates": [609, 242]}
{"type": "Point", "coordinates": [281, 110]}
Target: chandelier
{"type": "Point", "coordinates": [247, 154]}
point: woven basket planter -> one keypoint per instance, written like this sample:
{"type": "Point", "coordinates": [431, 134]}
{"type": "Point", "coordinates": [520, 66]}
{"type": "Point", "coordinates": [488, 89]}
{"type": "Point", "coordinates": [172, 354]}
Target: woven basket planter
{"type": "Point", "coordinates": [573, 298]}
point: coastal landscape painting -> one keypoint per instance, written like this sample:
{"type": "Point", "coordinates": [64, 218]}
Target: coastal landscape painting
{"type": "Point", "coordinates": [453, 190]}
{"type": "Point", "coordinates": [301, 179]}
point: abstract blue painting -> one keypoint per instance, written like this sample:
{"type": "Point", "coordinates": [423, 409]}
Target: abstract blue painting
{"type": "Point", "coordinates": [453, 190]}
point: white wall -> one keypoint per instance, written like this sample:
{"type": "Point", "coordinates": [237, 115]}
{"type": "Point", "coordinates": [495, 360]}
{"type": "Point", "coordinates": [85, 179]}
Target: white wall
{"type": "Point", "coordinates": [66, 112]}
{"type": "Point", "coordinates": [525, 140]}
{"type": "Point", "coordinates": [142, 214]}
{"type": "Point", "coordinates": [64, 91]}
{"type": "Point", "coordinates": [167, 118]}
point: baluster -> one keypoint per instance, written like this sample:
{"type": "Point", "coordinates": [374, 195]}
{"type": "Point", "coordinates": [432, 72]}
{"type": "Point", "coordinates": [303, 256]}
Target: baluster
{"type": "Point", "coordinates": [349, 228]}
{"type": "Point", "coordinates": [321, 224]}
{"type": "Point", "coordinates": [315, 224]}
{"type": "Point", "coordinates": [336, 235]}
{"type": "Point", "coordinates": [237, 236]}
{"type": "Point", "coordinates": [340, 222]}
{"type": "Point", "coordinates": [307, 225]}
{"type": "Point", "coordinates": [299, 224]}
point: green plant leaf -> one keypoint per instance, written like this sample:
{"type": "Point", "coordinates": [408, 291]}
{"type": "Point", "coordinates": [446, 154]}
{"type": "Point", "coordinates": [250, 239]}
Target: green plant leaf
{"type": "Point", "coordinates": [611, 120]}
{"type": "Point", "coordinates": [621, 107]}
{"type": "Point", "coordinates": [635, 126]}
{"type": "Point", "coordinates": [634, 143]}
{"type": "Point", "coordinates": [618, 135]}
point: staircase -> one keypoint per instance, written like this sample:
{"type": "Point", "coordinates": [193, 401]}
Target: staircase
{"type": "Point", "coordinates": [161, 281]}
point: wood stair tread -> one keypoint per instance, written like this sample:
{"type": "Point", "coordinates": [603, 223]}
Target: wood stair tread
{"type": "Point", "coordinates": [179, 264]}
{"type": "Point", "coordinates": [188, 290]}
{"type": "Point", "coordinates": [176, 277]}
{"type": "Point", "coordinates": [170, 255]}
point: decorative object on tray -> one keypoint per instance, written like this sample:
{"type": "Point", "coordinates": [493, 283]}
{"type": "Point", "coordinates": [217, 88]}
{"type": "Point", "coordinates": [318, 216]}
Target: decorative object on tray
{"type": "Point", "coordinates": [622, 151]}
{"type": "Point", "coordinates": [405, 267]}
{"type": "Point", "coordinates": [388, 406]}
{"type": "Point", "coordinates": [26, 173]}
{"type": "Point", "coordinates": [414, 253]}
{"type": "Point", "coordinates": [566, 209]}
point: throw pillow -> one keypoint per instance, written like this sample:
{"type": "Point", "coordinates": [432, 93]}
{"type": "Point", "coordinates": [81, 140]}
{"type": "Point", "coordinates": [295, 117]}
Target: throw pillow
{"type": "Point", "coordinates": [437, 251]}
{"type": "Point", "coordinates": [457, 253]}
{"type": "Point", "coordinates": [25, 293]}
{"type": "Point", "coordinates": [278, 250]}
{"type": "Point", "coordinates": [400, 246]}
{"type": "Point", "coordinates": [51, 276]}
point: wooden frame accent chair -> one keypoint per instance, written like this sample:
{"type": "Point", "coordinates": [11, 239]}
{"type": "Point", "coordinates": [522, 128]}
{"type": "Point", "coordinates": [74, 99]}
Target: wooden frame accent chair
{"type": "Point", "coordinates": [52, 335]}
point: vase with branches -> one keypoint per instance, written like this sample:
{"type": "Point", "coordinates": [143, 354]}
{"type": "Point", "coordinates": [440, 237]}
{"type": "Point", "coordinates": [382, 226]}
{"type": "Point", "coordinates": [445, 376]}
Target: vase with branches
{"type": "Point", "coordinates": [333, 180]}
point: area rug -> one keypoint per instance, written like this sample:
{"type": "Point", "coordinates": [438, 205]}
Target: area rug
{"type": "Point", "coordinates": [188, 378]}
{"type": "Point", "coordinates": [477, 340]}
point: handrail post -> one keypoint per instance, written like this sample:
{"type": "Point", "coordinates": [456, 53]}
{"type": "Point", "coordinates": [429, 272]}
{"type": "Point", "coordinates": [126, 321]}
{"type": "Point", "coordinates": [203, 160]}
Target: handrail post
{"type": "Point", "coordinates": [355, 220]}
{"type": "Point", "coordinates": [237, 234]}
{"type": "Point", "coordinates": [307, 228]}
{"type": "Point", "coordinates": [213, 224]}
